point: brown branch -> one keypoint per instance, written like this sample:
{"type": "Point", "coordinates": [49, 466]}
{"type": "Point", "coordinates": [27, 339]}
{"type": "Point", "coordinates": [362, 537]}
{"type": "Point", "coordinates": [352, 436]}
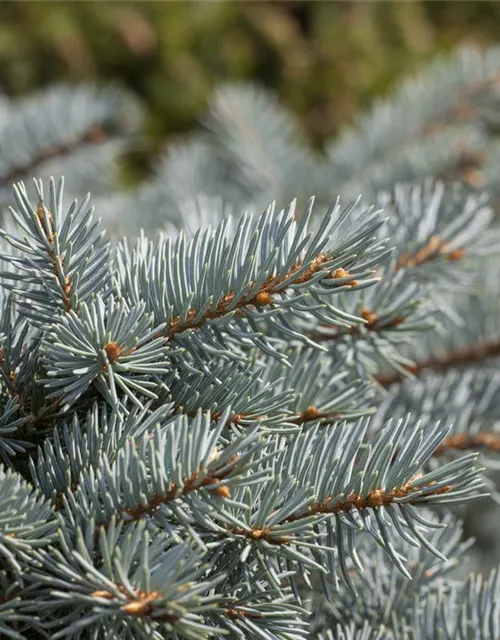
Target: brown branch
{"type": "Point", "coordinates": [435, 248]}
{"type": "Point", "coordinates": [459, 358]}
{"type": "Point", "coordinates": [373, 323]}
{"type": "Point", "coordinates": [45, 218]}
{"type": "Point", "coordinates": [373, 500]}
{"type": "Point", "coordinates": [261, 534]}
{"type": "Point", "coordinates": [485, 441]}
{"type": "Point", "coordinates": [142, 604]}
{"type": "Point", "coordinates": [313, 414]}
{"type": "Point", "coordinates": [95, 135]}
{"type": "Point", "coordinates": [270, 287]}
{"type": "Point", "coordinates": [174, 491]}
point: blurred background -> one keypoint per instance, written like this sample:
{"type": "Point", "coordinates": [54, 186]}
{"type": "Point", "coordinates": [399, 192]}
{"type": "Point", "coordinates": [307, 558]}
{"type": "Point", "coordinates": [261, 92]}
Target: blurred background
{"type": "Point", "coordinates": [326, 60]}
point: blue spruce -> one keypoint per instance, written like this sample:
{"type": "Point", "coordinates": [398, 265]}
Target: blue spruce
{"type": "Point", "coordinates": [259, 417]}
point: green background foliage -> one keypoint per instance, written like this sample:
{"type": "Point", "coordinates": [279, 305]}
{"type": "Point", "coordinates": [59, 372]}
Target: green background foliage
{"type": "Point", "coordinates": [326, 60]}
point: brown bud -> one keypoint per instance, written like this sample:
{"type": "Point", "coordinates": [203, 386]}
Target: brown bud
{"type": "Point", "coordinates": [112, 350]}
{"type": "Point", "coordinates": [311, 413]}
{"type": "Point", "coordinates": [102, 594]}
{"type": "Point", "coordinates": [138, 608]}
{"type": "Point", "coordinates": [263, 298]}
{"type": "Point", "coordinates": [456, 254]}
{"type": "Point", "coordinates": [258, 534]}
{"type": "Point", "coordinates": [222, 491]}
{"type": "Point", "coordinates": [340, 273]}
{"type": "Point", "coordinates": [369, 316]}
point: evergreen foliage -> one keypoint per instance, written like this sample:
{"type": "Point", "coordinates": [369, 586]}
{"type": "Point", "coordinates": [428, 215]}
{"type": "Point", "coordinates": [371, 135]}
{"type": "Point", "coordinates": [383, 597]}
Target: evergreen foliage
{"type": "Point", "coordinates": [266, 425]}
{"type": "Point", "coordinates": [442, 123]}
{"type": "Point", "coordinates": [82, 129]}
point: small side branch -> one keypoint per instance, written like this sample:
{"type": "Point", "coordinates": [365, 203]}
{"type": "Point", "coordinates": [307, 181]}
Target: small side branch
{"type": "Point", "coordinates": [264, 297]}
{"type": "Point", "coordinates": [45, 217]}
{"type": "Point", "coordinates": [434, 249]}
{"type": "Point", "coordinates": [373, 500]}
{"type": "Point", "coordinates": [173, 492]}
{"type": "Point", "coordinates": [483, 441]}
{"type": "Point", "coordinates": [467, 356]}
{"type": "Point", "coordinates": [95, 135]}
{"type": "Point", "coordinates": [373, 324]}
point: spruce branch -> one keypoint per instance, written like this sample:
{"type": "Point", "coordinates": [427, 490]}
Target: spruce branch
{"type": "Point", "coordinates": [27, 519]}
{"type": "Point", "coordinates": [201, 494]}
{"type": "Point", "coordinates": [250, 115]}
{"type": "Point", "coordinates": [109, 346]}
{"type": "Point", "coordinates": [470, 355]}
{"type": "Point", "coordinates": [253, 149]}
{"type": "Point", "coordinates": [428, 223]}
{"type": "Point", "coordinates": [467, 400]}
{"type": "Point", "coordinates": [264, 296]}
{"type": "Point", "coordinates": [79, 445]}
{"type": "Point", "coordinates": [465, 612]}
{"type": "Point", "coordinates": [157, 470]}
{"type": "Point", "coordinates": [433, 225]}
{"type": "Point", "coordinates": [349, 631]}
{"type": "Point", "coordinates": [352, 487]}
{"type": "Point", "coordinates": [395, 595]}
{"type": "Point", "coordinates": [82, 128]}
{"type": "Point", "coordinates": [253, 399]}
{"type": "Point", "coordinates": [324, 390]}
{"type": "Point", "coordinates": [120, 592]}
{"type": "Point", "coordinates": [396, 142]}
{"type": "Point", "coordinates": [488, 442]}
{"type": "Point", "coordinates": [437, 230]}
{"type": "Point", "coordinates": [255, 273]}
{"type": "Point", "coordinates": [93, 136]}
{"type": "Point", "coordinates": [28, 411]}
{"type": "Point", "coordinates": [12, 619]}
{"type": "Point", "coordinates": [269, 615]}
{"type": "Point", "coordinates": [16, 418]}
{"type": "Point", "coordinates": [274, 396]}
{"type": "Point", "coordinates": [434, 249]}
{"type": "Point", "coordinates": [61, 259]}
{"type": "Point", "coordinates": [391, 313]}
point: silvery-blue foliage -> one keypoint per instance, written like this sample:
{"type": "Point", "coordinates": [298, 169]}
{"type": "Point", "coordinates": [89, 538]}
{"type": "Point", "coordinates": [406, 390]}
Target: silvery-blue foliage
{"type": "Point", "coordinates": [253, 423]}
